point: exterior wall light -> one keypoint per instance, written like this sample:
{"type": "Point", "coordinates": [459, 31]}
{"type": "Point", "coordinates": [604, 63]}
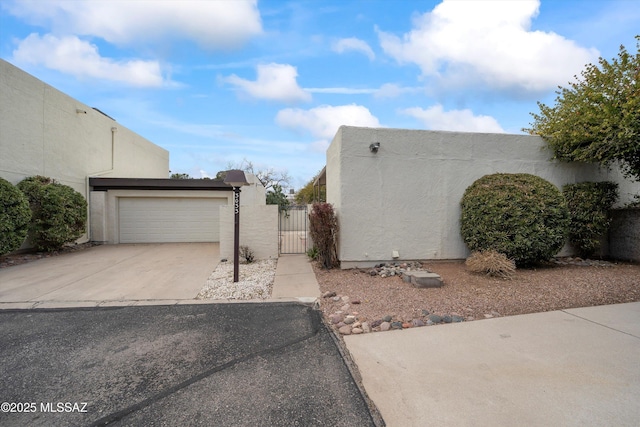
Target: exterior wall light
{"type": "Point", "coordinates": [80, 111]}
{"type": "Point", "coordinates": [374, 147]}
{"type": "Point", "coordinates": [236, 179]}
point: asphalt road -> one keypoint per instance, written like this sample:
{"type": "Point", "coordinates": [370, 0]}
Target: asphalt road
{"type": "Point", "coordinates": [189, 365]}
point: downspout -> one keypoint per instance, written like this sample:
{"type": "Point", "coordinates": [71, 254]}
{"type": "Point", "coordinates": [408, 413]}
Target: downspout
{"type": "Point", "coordinates": [88, 189]}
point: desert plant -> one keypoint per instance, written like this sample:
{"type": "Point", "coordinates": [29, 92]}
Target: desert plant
{"type": "Point", "coordinates": [323, 226]}
{"type": "Point", "coordinates": [520, 215]}
{"type": "Point", "coordinates": [247, 253]}
{"type": "Point", "coordinates": [589, 204]}
{"type": "Point", "coordinates": [491, 263]}
{"type": "Point", "coordinates": [59, 213]}
{"type": "Point", "coordinates": [312, 253]}
{"type": "Point", "coordinates": [14, 217]}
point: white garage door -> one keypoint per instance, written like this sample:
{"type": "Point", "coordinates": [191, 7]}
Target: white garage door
{"type": "Point", "coordinates": [160, 219]}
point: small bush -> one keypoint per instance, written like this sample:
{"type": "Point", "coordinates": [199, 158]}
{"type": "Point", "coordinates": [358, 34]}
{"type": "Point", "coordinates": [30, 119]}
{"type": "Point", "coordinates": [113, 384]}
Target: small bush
{"type": "Point", "coordinates": [589, 204]}
{"type": "Point", "coordinates": [323, 226]}
{"type": "Point", "coordinates": [520, 215]}
{"type": "Point", "coordinates": [491, 263]}
{"type": "Point", "coordinates": [14, 217]}
{"type": "Point", "coordinates": [59, 213]}
{"type": "Point", "coordinates": [247, 254]}
{"type": "Point", "coordinates": [312, 253]}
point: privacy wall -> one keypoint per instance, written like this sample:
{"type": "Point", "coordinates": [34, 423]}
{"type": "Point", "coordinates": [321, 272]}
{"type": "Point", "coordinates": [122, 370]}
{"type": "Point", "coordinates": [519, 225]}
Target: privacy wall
{"type": "Point", "coordinates": [405, 197]}
{"type": "Point", "coordinates": [46, 132]}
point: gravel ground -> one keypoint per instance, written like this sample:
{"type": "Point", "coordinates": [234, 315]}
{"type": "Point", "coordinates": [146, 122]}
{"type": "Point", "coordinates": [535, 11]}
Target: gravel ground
{"type": "Point", "coordinates": [473, 296]}
{"type": "Point", "coordinates": [255, 281]}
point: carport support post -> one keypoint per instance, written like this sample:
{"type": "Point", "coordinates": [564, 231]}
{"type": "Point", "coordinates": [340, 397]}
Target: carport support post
{"type": "Point", "coordinates": [236, 236]}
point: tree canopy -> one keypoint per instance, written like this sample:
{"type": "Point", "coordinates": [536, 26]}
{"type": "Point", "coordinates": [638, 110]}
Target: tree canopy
{"type": "Point", "coordinates": [597, 118]}
{"type": "Point", "coordinates": [307, 194]}
{"type": "Point", "coordinates": [275, 196]}
{"type": "Point", "coordinates": [269, 177]}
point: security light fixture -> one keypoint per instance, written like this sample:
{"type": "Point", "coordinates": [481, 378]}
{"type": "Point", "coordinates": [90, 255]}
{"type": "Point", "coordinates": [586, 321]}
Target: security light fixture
{"type": "Point", "coordinates": [374, 147]}
{"type": "Point", "coordinates": [80, 111]}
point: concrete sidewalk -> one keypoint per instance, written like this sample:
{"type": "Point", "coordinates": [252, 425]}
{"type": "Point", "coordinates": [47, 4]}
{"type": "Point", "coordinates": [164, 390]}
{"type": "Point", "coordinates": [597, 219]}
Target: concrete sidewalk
{"type": "Point", "coordinates": [576, 367]}
{"type": "Point", "coordinates": [295, 279]}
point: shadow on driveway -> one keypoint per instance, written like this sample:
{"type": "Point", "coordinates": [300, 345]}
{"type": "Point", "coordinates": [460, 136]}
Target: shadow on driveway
{"type": "Point", "coordinates": [212, 365]}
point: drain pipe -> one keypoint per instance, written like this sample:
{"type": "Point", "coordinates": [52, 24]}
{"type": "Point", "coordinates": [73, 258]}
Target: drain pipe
{"type": "Point", "coordinates": [114, 129]}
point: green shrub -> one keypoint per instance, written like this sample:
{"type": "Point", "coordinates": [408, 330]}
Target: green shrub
{"type": "Point", "coordinates": [59, 212]}
{"type": "Point", "coordinates": [323, 226]}
{"type": "Point", "coordinates": [520, 215]}
{"type": "Point", "coordinates": [589, 204]}
{"type": "Point", "coordinates": [14, 217]}
{"type": "Point", "coordinates": [312, 253]}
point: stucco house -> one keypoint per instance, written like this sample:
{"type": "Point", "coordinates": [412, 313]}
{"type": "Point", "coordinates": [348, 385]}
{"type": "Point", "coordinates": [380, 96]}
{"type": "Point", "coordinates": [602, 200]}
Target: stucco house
{"type": "Point", "coordinates": [397, 192]}
{"type": "Point", "coordinates": [123, 176]}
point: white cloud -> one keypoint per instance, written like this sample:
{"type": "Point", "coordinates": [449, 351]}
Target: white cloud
{"type": "Point", "coordinates": [341, 90]}
{"type": "Point", "coordinates": [392, 90]}
{"type": "Point", "coordinates": [81, 59]}
{"type": "Point", "coordinates": [276, 82]}
{"type": "Point", "coordinates": [324, 121]}
{"type": "Point", "coordinates": [212, 24]}
{"type": "Point", "coordinates": [488, 42]}
{"type": "Point", "coordinates": [435, 118]}
{"type": "Point", "coordinates": [353, 44]}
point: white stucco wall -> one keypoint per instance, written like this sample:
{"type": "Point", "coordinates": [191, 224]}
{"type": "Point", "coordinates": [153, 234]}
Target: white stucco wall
{"type": "Point", "coordinates": [258, 230]}
{"type": "Point", "coordinates": [41, 133]}
{"type": "Point", "coordinates": [406, 197]}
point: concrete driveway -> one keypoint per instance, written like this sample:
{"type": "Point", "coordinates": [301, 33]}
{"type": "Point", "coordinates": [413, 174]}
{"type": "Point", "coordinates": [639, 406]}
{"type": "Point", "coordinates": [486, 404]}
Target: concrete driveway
{"type": "Point", "coordinates": [110, 275]}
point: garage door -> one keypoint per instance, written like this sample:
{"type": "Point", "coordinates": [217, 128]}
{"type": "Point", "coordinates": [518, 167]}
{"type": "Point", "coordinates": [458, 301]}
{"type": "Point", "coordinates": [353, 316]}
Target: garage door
{"type": "Point", "coordinates": [170, 219]}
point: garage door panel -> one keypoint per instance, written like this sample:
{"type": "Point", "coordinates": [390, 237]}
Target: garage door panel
{"type": "Point", "coordinates": [158, 220]}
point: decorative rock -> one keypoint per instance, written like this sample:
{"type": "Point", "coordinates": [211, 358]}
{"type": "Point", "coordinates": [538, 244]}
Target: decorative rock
{"type": "Point", "coordinates": [385, 326]}
{"type": "Point", "coordinates": [424, 279]}
{"type": "Point", "coordinates": [345, 298]}
{"type": "Point", "coordinates": [328, 294]}
{"type": "Point", "coordinates": [340, 325]}
{"type": "Point", "coordinates": [365, 327]}
{"type": "Point", "coordinates": [373, 273]}
{"type": "Point", "coordinates": [396, 325]}
{"type": "Point", "coordinates": [406, 325]}
{"type": "Point", "coordinates": [417, 322]}
{"type": "Point", "coordinates": [336, 299]}
{"type": "Point", "coordinates": [356, 331]}
{"type": "Point", "coordinates": [425, 312]}
{"type": "Point", "coordinates": [430, 322]}
{"type": "Point", "coordinates": [387, 318]}
{"type": "Point", "coordinates": [345, 330]}
{"type": "Point", "coordinates": [457, 319]}
{"type": "Point", "coordinates": [349, 320]}
{"type": "Point", "coordinates": [345, 307]}
{"type": "Point", "coordinates": [488, 316]}
{"type": "Point", "coordinates": [495, 314]}
{"type": "Point", "coordinates": [336, 318]}
{"type": "Point", "coordinates": [355, 301]}
{"type": "Point", "coordinates": [447, 319]}
{"type": "Point", "coordinates": [356, 325]}
{"type": "Point", "coordinates": [376, 323]}
{"type": "Point", "coordinates": [435, 318]}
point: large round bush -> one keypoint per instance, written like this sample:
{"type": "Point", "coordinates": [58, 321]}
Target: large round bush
{"type": "Point", "coordinates": [520, 215]}
{"type": "Point", "coordinates": [59, 212]}
{"type": "Point", "coordinates": [14, 217]}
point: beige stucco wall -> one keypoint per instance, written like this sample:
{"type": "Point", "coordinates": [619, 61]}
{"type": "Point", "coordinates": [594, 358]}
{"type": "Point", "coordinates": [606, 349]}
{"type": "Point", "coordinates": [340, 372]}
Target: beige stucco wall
{"type": "Point", "coordinates": [406, 197]}
{"type": "Point", "coordinates": [41, 133]}
{"type": "Point", "coordinates": [258, 230]}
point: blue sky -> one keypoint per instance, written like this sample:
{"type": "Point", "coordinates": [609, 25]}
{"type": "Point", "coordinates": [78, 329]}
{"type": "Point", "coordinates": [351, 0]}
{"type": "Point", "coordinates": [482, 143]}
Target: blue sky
{"type": "Point", "coordinates": [216, 82]}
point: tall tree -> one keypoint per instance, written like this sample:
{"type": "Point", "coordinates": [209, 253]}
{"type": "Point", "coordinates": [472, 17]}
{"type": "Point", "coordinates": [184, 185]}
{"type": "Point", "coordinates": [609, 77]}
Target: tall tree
{"type": "Point", "coordinates": [275, 196]}
{"type": "Point", "coordinates": [307, 194]}
{"type": "Point", "coordinates": [269, 177]}
{"type": "Point", "coordinates": [597, 118]}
